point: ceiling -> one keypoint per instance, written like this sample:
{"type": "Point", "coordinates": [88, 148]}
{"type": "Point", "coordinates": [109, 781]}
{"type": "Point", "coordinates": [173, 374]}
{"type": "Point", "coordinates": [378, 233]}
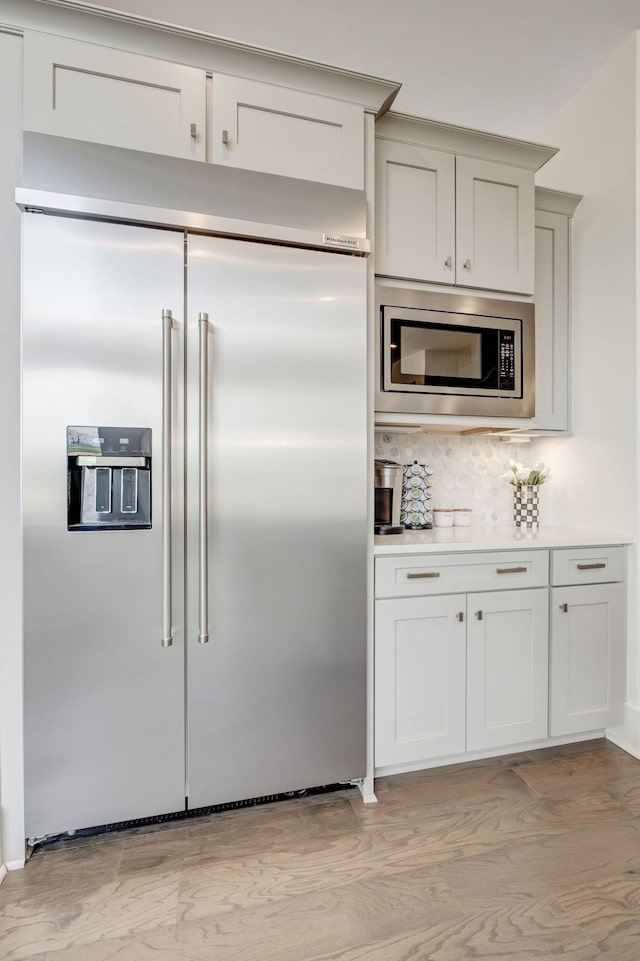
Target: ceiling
{"type": "Point", "coordinates": [499, 65]}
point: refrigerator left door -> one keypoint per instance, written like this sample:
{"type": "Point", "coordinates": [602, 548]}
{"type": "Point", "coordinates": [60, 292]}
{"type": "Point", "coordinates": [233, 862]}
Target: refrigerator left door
{"type": "Point", "coordinates": [104, 699]}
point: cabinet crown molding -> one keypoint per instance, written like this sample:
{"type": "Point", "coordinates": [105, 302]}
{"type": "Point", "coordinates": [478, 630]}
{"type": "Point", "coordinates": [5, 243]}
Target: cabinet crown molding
{"type": "Point", "coordinates": [557, 201]}
{"type": "Point", "coordinates": [92, 23]}
{"type": "Point", "coordinates": [464, 140]}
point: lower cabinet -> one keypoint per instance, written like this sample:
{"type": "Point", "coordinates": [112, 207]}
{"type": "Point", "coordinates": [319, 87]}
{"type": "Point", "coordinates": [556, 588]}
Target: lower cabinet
{"type": "Point", "coordinates": [420, 678]}
{"type": "Point", "coordinates": [507, 667]}
{"type": "Point", "coordinates": [587, 658]}
{"type": "Point", "coordinates": [459, 672]}
{"type": "Point", "coordinates": [522, 645]}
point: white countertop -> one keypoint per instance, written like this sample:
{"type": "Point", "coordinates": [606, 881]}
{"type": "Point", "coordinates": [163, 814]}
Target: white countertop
{"type": "Point", "coordinates": [491, 539]}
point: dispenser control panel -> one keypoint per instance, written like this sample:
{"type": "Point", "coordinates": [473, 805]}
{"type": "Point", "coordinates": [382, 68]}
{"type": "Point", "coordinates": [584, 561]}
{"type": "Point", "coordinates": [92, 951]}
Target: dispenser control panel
{"type": "Point", "coordinates": [108, 478]}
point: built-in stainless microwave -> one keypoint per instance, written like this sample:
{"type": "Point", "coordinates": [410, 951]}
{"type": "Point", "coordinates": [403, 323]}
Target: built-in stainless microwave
{"type": "Point", "coordinates": [454, 354]}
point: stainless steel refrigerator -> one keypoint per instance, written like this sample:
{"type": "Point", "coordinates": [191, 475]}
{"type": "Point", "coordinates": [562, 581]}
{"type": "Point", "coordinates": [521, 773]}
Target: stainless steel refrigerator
{"type": "Point", "coordinates": [216, 651]}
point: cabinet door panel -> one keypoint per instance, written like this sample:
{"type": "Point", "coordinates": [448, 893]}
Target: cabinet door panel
{"type": "Point", "coordinates": [552, 321]}
{"type": "Point", "coordinates": [587, 658]}
{"type": "Point", "coordinates": [89, 92]}
{"type": "Point", "coordinates": [415, 216]}
{"type": "Point", "coordinates": [494, 225]}
{"type": "Point", "coordinates": [419, 669]}
{"type": "Point", "coordinates": [259, 126]}
{"type": "Point", "coordinates": [506, 668]}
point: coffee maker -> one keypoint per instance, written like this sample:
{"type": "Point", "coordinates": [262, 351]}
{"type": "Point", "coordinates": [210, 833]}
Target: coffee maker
{"type": "Point", "coordinates": [388, 497]}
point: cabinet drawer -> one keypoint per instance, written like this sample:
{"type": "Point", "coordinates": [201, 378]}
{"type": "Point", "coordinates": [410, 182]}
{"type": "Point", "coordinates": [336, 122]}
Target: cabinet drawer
{"type": "Point", "coordinates": [587, 565]}
{"type": "Point", "coordinates": [410, 575]}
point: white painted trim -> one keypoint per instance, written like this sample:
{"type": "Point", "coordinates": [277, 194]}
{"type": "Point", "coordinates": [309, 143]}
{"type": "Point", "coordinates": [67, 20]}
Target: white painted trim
{"type": "Point", "coordinates": [464, 140]}
{"type": "Point", "coordinates": [627, 734]}
{"type": "Point", "coordinates": [154, 38]}
{"type": "Point", "coordinates": [15, 865]}
{"type": "Point", "coordinates": [3, 872]}
{"type": "Point", "coordinates": [557, 201]}
{"type": "Point", "coordinates": [481, 755]}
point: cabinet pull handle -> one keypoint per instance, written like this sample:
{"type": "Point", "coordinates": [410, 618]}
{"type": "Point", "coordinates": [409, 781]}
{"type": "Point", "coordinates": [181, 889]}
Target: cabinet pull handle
{"type": "Point", "coordinates": [194, 131]}
{"type": "Point", "coordinates": [166, 638]}
{"type": "Point", "coordinates": [564, 608]}
{"type": "Point", "coordinates": [424, 574]}
{"type": "Point", "coordinates": [467, 264]}
{"type": "Point", "coordinates": [591, 567]}
{"type": "Point", "coordinates": [449, 262]}
{"type": "Point", "coordinates": [479, 615]}
{"type": "Point", "coordinates": [511, 570]}
{"type": "Point", "coordinates": [460, 616]}
{"type": "Point", "coordinates": [225, 137]}
{"type": "Point", "coordinates": [203, 492]}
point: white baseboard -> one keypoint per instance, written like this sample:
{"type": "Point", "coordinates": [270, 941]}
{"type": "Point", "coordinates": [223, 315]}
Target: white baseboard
{"type": "Point", "coordinates": [627, 735]}
{"type": "Point", "coordinates": [494, 752]}
{"type": "Point", "coordinates": [3, 873]}
{"type": "Point", "coordinates": [16, 865]}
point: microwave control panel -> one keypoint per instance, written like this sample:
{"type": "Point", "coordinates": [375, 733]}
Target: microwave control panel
{"type": "Point", "coordinates": [507, 360]}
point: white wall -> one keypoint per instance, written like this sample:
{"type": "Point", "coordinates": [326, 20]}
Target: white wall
{"type": "Point", "coordinates": [595, 472]}
{"type": "Point", "coordinates": [11, 791]}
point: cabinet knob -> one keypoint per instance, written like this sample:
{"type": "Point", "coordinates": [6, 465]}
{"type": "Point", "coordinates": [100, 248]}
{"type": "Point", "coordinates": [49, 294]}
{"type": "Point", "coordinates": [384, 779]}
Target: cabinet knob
{"type": "Point", "coordinates": [479, 615]}
{"type": "Point", "coordinates": [194, 131]}
{"type": "Point", "coordinates": [225, 137]}
{"type": "Point", "coordinates": [449, 262]}
{"type": "Point", "coordinates": [460, 616]}
{"type": "Point", "coordinates": [564, 608]}
{"type": "Point", "coordinates": [467, 265]}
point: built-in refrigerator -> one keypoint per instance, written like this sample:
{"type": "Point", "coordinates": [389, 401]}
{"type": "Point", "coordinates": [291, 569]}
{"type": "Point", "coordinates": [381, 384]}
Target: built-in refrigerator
{"type": "Point", "coordinates": [209, 646]}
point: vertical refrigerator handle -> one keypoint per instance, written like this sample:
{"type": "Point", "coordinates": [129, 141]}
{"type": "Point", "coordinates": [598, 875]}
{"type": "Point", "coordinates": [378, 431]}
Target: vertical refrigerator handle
{"type": "Point", "coordinates": [167, 326]}
{"type": "Point", "coordinates": [203, 545]}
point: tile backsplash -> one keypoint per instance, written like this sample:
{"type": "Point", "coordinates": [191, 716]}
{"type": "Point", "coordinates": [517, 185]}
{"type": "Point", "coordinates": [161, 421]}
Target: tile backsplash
{"type": "Point", "coordinates": [466, 470]}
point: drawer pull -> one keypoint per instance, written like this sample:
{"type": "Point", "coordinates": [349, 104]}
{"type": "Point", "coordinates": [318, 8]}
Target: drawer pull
{"type": "Point", "coordinates": [564, 608]}
{"type": "Point", "coordinates": [424, 574]}
{"type": "Point", "coordinates": [479, 615]}
{"type": "Point", "coordinates": [591, 567]}
{"type": "Point", "coordinates": [460, 615]}
{"type": "Point", "coordinates": [511, 570]}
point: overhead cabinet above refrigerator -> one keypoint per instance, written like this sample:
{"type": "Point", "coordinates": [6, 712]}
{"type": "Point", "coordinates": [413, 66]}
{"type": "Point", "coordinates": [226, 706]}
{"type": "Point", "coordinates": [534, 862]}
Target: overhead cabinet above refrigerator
{"type": "Point", "coordinates": [195, 475]}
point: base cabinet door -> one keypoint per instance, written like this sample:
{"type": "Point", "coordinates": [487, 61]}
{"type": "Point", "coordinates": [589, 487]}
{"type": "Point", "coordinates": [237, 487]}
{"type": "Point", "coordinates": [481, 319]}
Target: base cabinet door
{"type": "Point", "coordinates": [419, 678]}
{"type": "Point", "coordinates": [507, 661]}
{"type": "Point", "coordinates": [587, 658]}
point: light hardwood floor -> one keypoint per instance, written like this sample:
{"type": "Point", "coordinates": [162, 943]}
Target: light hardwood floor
{"type": "Point", "coordinates": [532, 856]}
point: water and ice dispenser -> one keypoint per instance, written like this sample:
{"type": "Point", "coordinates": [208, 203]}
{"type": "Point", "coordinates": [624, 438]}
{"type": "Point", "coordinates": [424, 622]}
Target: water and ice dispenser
{"type": "Point", "coordinates": [108, 478]}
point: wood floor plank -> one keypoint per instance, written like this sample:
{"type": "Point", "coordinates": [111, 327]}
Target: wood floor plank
{"type": "Point", "coordinates": [536, 930]}
{"type": "Point", "coordinates": [329, 920]}
{"type": "Point", "coordinates": [608, 910]}
{"type": "Point", "coordinates": [44, 924]}
{"type": "Point", "coordinates": [545, 866]}
{"type": "Point", "coordinates": [596, 767]}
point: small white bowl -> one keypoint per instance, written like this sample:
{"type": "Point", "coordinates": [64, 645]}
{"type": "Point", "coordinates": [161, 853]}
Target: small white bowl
{"type": "Point", "coordinates": [443, 517]}
{"type": "Point", "coordinates": [462, 517]}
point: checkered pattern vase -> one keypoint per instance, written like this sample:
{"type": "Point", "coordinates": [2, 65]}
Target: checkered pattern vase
{"type": "Point", "coordinates": [525, 507]}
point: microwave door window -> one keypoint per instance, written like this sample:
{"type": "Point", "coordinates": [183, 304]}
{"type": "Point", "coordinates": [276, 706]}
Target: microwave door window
{"type": "Point", "coordinates": [441, 356]}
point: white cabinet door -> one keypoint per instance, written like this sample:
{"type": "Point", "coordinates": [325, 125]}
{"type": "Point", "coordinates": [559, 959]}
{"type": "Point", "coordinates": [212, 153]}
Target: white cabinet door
{"type": "Point", "coordinates": [552, 321]}
{"type": "Point", "coordinates": [419, 678]}
{"type": "Point", "coordinates": [415, 212]}
{"type": "Point", "coordinates": [259, 126]}
{"type": "Point", "coordinates": [89, 92]}
{"type": "Point", "coordinates": [587, 658]}
{"type": "Point", "coordinates": [507, 660]}
{"type": "Point", "coordinates": [494, 226]}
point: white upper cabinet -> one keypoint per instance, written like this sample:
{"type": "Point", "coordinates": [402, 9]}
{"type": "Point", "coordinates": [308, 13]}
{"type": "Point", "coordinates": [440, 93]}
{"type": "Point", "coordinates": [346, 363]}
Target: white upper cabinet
{"type": "Point", "coordinates": [554, 210]}
{"type": "Point", "coordinates": [494, 226]}
{"type": "Point", "coordinates": [455, 206]}
{"type": "Point", "coordinates": [415, 212]}
{"type": "Point", "coordinates": [260, 126]}
{"type": "Point", "coordinates": [90, 92]}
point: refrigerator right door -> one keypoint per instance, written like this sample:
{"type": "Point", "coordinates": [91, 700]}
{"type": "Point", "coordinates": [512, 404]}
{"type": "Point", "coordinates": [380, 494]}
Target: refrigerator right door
{"type": "Point", "coordinates": [276, 519]}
